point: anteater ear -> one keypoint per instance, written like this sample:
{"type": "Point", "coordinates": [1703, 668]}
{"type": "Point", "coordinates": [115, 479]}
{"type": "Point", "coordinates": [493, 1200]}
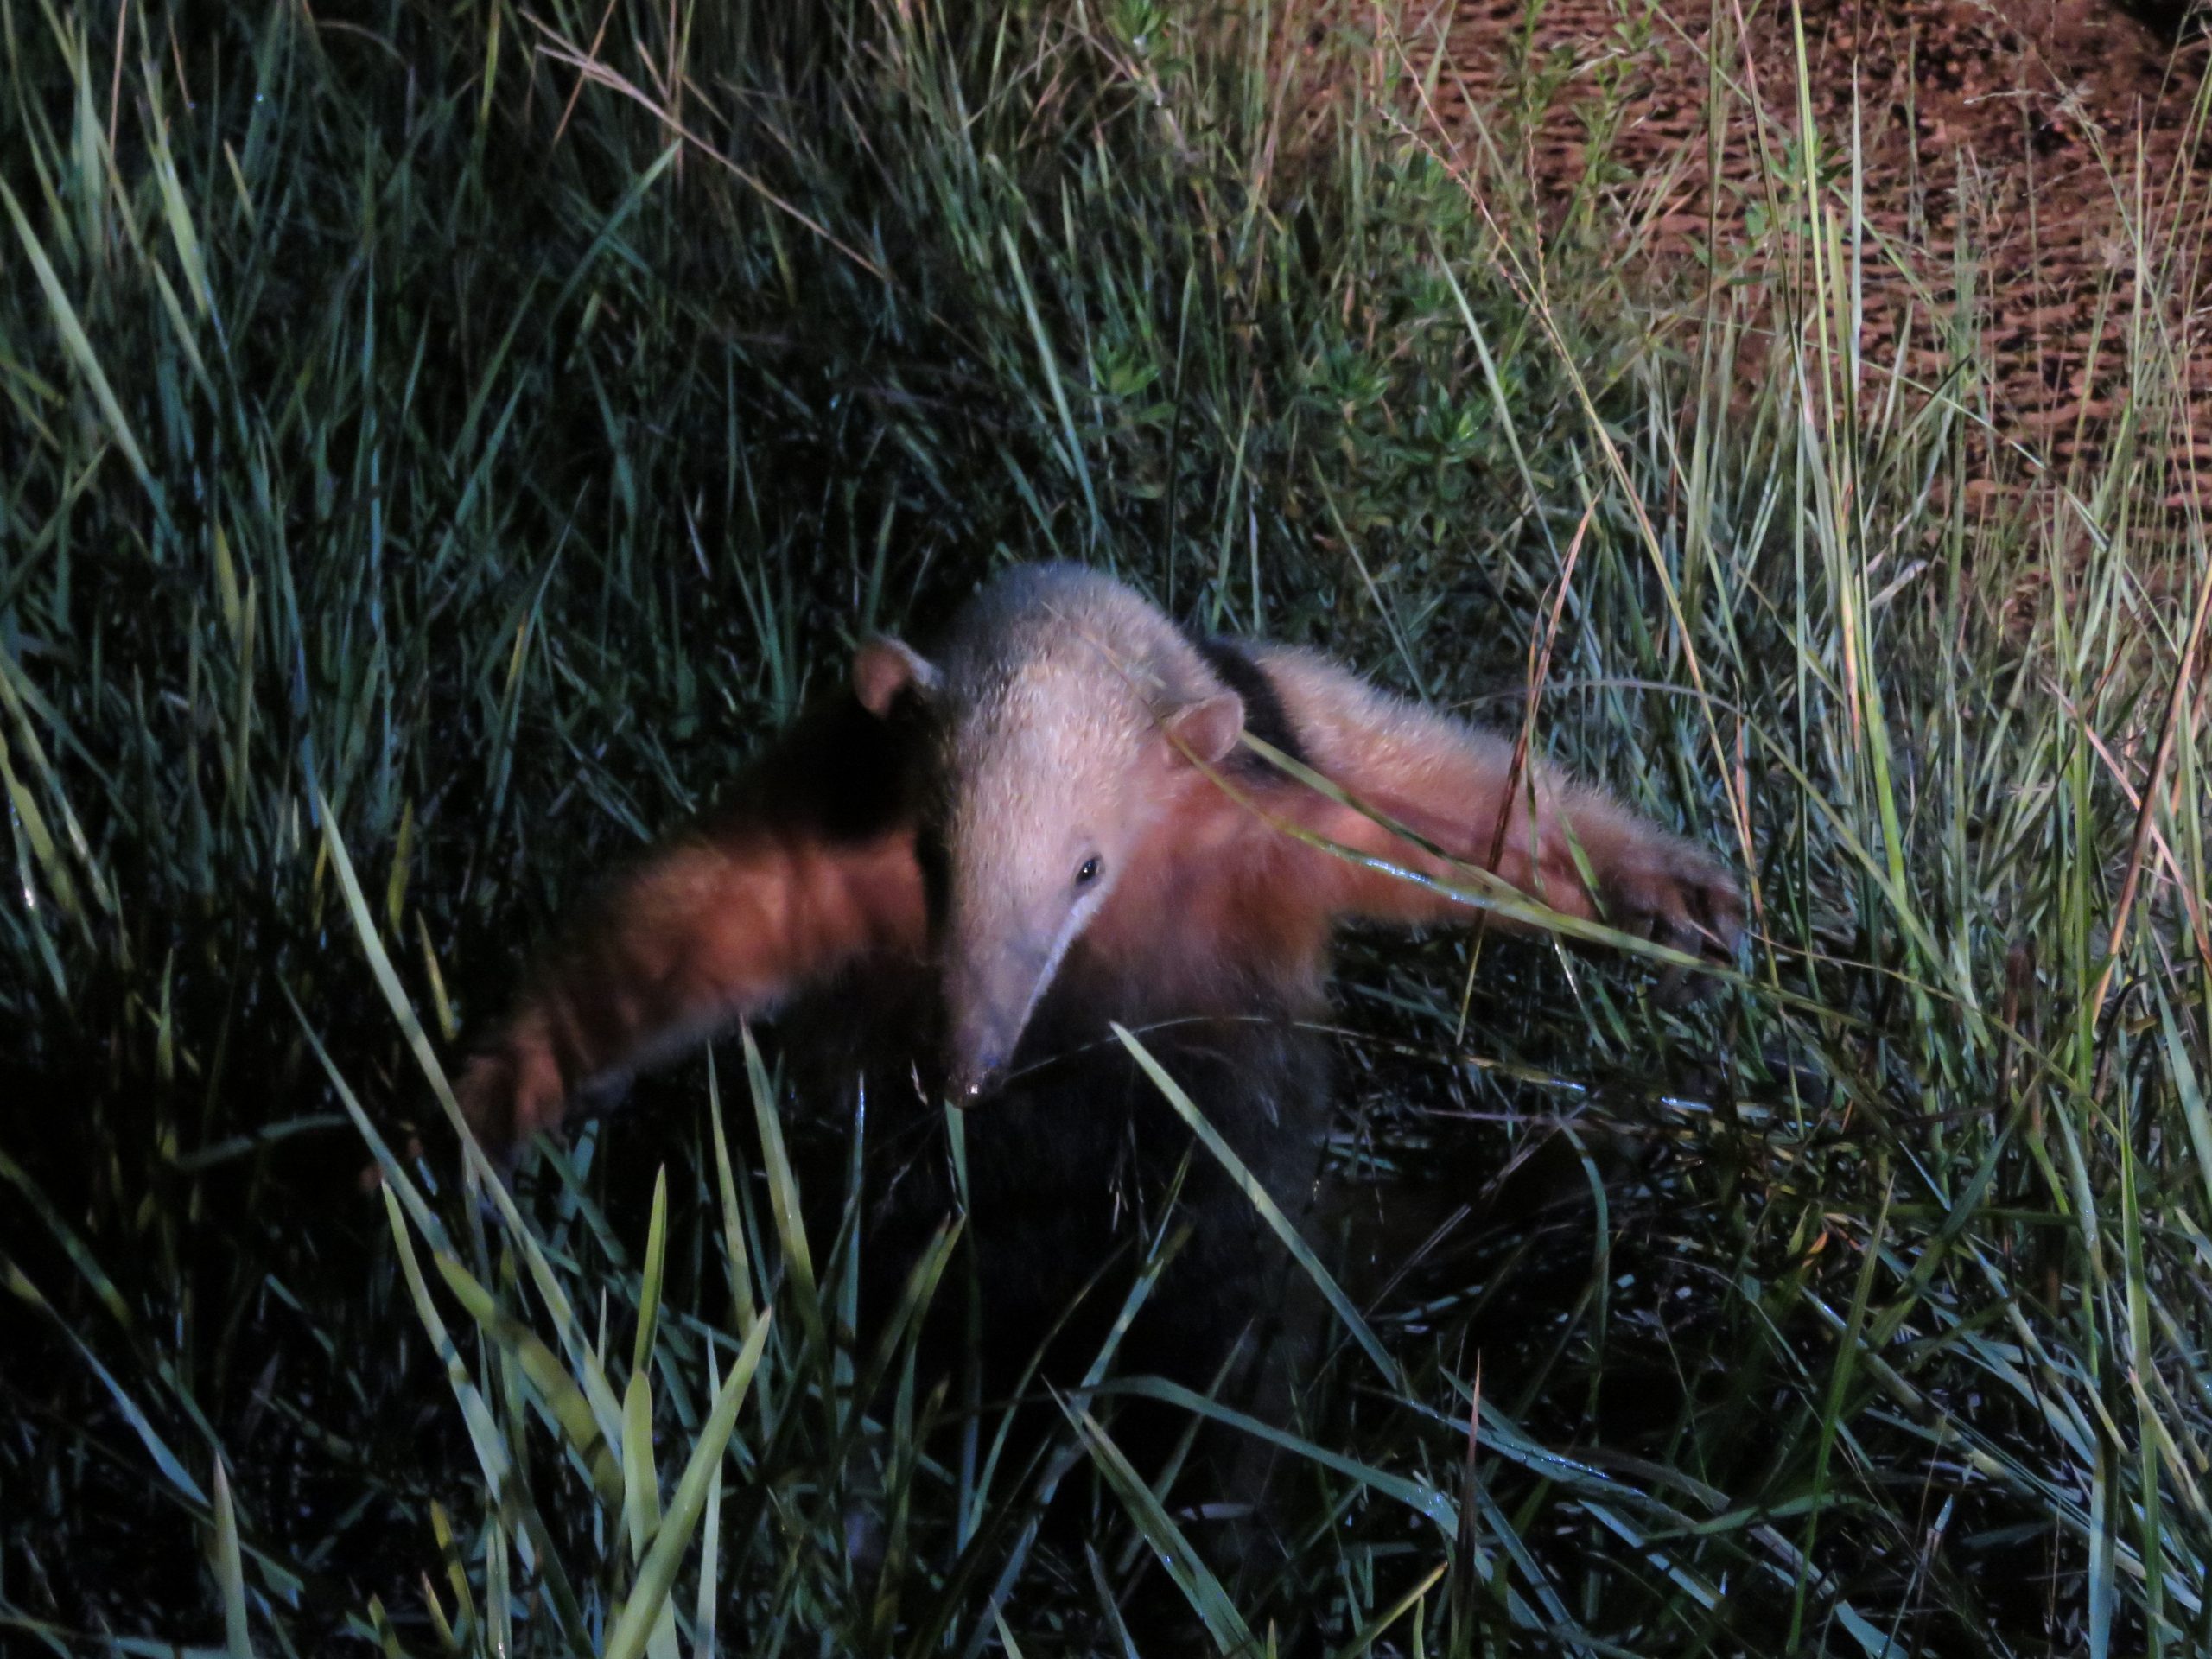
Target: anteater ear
{"type": "Point", "coordinates": [1206, 730]}
{"type": "Point", "coordinates": [885, 669]}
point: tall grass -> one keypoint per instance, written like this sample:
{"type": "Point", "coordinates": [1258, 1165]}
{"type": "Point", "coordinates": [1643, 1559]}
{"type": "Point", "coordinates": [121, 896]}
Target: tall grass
{"type": "Point", "coordinates": [441, 442]}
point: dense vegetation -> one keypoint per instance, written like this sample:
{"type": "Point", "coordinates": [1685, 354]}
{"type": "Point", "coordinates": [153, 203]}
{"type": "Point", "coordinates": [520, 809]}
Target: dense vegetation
{"type": "Point", "coordinates": [439, 442]}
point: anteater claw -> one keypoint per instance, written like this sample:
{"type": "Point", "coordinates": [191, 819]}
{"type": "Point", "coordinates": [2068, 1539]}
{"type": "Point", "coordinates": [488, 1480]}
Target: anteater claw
{"type": "Point", "coordinates": [1675, 895]}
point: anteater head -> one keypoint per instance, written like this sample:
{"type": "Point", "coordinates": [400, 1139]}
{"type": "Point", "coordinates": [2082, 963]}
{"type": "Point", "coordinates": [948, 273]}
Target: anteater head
{"type": "Point", "coordinates": [1068, 717]}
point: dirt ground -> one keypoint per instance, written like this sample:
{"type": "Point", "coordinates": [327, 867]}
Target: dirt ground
{"type": "Point", "coordinates": [2038, 136]}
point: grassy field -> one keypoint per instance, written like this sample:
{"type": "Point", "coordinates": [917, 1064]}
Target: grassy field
{"type": "Point", "coordinates": [439, 443]}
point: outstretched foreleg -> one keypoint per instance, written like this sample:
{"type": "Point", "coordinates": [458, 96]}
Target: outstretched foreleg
{"type": "Point", "coordinates": [1458, 789]}
{"type": "Point", "coordinates": [811, 870]}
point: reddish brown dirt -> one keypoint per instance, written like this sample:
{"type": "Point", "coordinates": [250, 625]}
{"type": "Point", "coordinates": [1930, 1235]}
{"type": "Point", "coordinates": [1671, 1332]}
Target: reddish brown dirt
{"type": "Point", "coordinates": [2033, 138]}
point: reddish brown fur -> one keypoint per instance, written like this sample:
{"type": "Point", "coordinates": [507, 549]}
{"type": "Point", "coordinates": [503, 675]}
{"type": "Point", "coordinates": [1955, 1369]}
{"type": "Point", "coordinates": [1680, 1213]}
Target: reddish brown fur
{"type": "Point", "coordinates": [1218, 895]}
{"type": "Point", "coordinates": [708, 932]}
{"type": "Point", "coordinates": [1449, 786]}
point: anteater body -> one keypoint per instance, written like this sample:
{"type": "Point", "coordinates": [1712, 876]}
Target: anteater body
{"type": "Point", "coordinates": [964, 869]}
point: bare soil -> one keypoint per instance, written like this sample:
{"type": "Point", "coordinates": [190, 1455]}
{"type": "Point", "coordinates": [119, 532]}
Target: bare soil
{"type": "Point", "coordinates": [2047, 164]}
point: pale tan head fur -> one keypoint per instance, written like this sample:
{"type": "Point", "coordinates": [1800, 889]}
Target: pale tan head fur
{"type": "Point", "coordinates": [1069, 714]}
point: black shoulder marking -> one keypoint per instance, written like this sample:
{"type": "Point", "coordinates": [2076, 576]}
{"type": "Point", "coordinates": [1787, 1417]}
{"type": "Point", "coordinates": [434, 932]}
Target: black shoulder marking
{"type": "Point", "coordinates": [838, 771]}
{"type": "Point", "coordinates": [1264, 715]}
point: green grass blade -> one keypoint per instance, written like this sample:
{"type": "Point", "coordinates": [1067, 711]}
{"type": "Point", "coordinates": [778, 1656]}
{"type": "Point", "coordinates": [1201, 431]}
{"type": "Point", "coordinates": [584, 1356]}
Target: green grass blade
{"type": "Point", "coordinates": [1264, 1201]}
{"type": "Point", "coordinates": [79, 345]}
{"type": "Point", "coordinates": [657, 1574]}
{"type": "Point", "coordinates": [230, 1570]}
{"type": "Point", "coordinates": [1182, 1563]}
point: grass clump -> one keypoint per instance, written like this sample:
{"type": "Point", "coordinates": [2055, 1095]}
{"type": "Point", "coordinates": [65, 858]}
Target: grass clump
{"type": "Point", "coordinates": [446, 440]}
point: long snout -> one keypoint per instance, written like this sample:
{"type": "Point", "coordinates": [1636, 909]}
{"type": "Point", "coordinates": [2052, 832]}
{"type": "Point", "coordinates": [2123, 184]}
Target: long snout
{"type": "Point", "coordinates": [988, 995]}
{"type": "Point", "coordinates": [974, 1070]}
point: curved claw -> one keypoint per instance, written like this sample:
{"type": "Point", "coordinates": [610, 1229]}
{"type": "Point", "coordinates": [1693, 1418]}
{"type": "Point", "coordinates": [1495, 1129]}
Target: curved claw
{"type": "Point", "coordinates": [1675, 895]}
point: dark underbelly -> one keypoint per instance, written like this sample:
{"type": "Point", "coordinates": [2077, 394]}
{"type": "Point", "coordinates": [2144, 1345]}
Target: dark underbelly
{"type": "Point", "coordinates": [1076, 1171]}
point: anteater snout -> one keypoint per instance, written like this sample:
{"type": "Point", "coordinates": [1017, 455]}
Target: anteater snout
{"type": "Point", "coordinates": [970, 1085]}
{"type": "Point", "coordinates": [979, 1053]}
{"type": "Point", "coordinates": [987, 1005]}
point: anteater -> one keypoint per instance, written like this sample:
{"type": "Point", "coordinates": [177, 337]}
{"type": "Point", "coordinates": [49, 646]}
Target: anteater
{"type": "Point", "coordinates": [965, 867]}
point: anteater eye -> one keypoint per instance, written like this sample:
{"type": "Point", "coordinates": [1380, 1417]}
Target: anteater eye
{"type": "Point", "coordinates": [1088, 874]}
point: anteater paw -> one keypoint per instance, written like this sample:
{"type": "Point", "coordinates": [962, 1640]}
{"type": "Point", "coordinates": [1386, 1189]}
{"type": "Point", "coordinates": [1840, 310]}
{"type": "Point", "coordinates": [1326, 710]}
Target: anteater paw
{"type": "Point", "coordinates": [507, 1095]}
{"type": "Point", "coordinates": [1674, 894]}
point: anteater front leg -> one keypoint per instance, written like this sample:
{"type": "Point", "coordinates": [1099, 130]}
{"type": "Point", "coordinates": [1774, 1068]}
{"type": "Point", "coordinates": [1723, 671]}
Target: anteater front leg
{"type": "Point", "coordinates": [705, 932]}
{"type": "Point", "coordinates": [1455, 788]}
